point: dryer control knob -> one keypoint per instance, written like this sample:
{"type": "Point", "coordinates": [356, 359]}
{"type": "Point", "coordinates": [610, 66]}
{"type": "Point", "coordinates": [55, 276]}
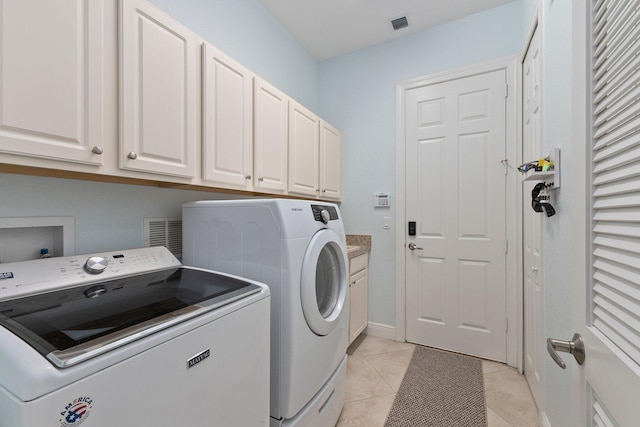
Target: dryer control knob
{"type": "Point", "coordinates": [325, 215]}
{"type": "Point", "coordinates": [95, 265]}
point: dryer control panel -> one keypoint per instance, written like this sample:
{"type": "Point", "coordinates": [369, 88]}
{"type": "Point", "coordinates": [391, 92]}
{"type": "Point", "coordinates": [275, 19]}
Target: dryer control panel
{"type": "Point", "coordinates": [44, 275]}
{"type": "Point", "coordinates": [319, 215]}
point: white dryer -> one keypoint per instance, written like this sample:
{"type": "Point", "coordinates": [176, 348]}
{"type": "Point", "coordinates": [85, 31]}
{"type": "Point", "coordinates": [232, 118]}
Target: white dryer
{"type": "Point", "coordinates": [298, 249]}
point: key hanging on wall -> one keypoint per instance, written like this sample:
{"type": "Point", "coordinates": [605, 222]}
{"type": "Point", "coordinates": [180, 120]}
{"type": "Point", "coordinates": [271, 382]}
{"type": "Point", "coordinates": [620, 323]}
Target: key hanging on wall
{"type": "Point", "coordinates": [540, 200]}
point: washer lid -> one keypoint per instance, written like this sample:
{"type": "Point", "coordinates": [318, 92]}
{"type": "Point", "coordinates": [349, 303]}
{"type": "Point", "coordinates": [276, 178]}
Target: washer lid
{"type": "Point", "coordinates": [71, 325]}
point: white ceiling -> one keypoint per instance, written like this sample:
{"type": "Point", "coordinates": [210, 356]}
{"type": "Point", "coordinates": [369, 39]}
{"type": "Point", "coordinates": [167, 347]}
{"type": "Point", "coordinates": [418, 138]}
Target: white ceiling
{"type": "Point", "coordinates": [327, 28]}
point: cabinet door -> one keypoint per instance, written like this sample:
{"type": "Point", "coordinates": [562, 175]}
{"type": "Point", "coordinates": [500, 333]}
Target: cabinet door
{"type": "Point", "coordinates": [304, 138]}
{"type": "Point", "coordinates": [159, 76]}
{"type": "Point", "coordinates": [51, 56]}
{"type": "Point", "coordinates": [270, 137]}
{"type": "Point", "coordinates": [359, 304]}
{"type": "Point", "coordinates": [330, 162]}
{"type": "Point", "coordinates": [227, 119]}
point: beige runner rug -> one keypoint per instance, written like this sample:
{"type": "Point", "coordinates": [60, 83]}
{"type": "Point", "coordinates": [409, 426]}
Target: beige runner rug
{"type": "Point", "coordinates": [440, 389]}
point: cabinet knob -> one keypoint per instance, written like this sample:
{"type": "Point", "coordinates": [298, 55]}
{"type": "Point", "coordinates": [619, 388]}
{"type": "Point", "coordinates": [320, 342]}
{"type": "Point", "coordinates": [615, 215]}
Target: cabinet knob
{"type": "Point", "coordinates": [261, 179]}
{"type": "Point", "coordinates": [132, 155]}
{"type": "Point", "coordinates": [97, 150]}
{"type": "Point", "coordinates": [247, 177]}
{"type": "Point", "coordinates": [324, 190]}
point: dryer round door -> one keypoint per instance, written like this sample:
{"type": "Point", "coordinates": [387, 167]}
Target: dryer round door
{"type": "Point", "coordinates": [323, 282]}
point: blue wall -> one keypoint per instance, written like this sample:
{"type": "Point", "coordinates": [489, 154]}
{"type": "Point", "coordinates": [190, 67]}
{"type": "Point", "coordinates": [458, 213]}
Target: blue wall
{"type": "Point", "coordinates": [358, 95]}
{"type": "Point", "coordinates": [246, 31]}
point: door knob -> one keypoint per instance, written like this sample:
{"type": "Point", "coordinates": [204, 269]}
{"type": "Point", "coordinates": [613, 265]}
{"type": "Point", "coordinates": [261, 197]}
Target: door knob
{"type": "Point", "coordinates": [414, 247]}
{"type": "Point", "coordinates": [132, 155]}
{"type": "Point", "coordinates": [575, 347]}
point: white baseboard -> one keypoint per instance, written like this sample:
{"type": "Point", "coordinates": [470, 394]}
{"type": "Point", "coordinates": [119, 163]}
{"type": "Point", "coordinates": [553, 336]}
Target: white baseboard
{"type": "Point", "coordinates": [544, 421]}
{"type": "Point", "coordinates": [381, 331]}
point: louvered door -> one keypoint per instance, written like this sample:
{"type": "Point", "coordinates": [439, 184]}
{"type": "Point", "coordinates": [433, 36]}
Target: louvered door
{"type": "Point", "coordinates": [606, 309]}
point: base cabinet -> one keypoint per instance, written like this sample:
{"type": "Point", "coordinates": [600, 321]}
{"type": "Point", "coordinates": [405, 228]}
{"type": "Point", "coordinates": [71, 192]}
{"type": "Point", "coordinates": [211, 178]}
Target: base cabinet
{"type": "Point", "coordinates": [359, 295]}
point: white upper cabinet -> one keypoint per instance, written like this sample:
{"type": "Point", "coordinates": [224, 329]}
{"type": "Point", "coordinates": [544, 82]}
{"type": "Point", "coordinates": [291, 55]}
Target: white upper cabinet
{"type": "Point", "coordinates": [315, 155]}
{"type": "Point", "coordinates": [118, 88]}
{"type": "Point", "coordinates": [51, 96]}
{"type": "Point", "coordinates": [304, 138]}
{"type": "Point", "coordinates": [227, 110]}
{"type": "Point", "coordinates": [270, 137]}
{"type": "Point", "coordinates": [159, 75]}
{"type": "Point", "coordinates": [330, 162]}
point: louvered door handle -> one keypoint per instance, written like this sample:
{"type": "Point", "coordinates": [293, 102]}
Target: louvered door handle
{"type": "Point", "coordinates": [575, 347]}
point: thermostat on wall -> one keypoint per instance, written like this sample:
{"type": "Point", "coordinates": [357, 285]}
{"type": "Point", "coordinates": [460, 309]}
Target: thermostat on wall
{"type": "Point", "coordinates": [381, 200]}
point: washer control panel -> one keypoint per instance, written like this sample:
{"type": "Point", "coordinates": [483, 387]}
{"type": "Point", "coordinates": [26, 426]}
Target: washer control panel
{"type": "Point", "coordinates": [44, 275]}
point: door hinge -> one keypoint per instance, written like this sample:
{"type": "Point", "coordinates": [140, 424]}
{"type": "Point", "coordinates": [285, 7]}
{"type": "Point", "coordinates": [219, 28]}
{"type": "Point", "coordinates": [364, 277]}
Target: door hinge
{"type": "Point", "coordinates": [506, 90]}
{"type": "Point", "coordinates": [506, 322]}
{"type": "Point", "coordinates": [505, 163]}
{"type": "Point", "coordinates": [506, 246]}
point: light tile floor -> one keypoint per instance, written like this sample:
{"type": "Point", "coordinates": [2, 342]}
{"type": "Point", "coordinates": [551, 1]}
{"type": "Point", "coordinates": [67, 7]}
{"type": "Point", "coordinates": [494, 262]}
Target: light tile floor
{"type": "Point", "coordinates": [375, 370]}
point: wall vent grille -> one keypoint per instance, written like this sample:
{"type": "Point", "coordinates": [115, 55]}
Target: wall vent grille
{"type": "Point", "coordinates": [399, 23]}
{"type": "Point", "coordinates": [165, 232]}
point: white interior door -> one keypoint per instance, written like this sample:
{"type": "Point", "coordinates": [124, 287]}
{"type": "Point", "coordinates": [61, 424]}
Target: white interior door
{"type": "Point", "coordinates": [606, 283]}
{"type": "Point", "coordinates": [455, 192]}
{"type": "Point", "coordinates": [531, 220]}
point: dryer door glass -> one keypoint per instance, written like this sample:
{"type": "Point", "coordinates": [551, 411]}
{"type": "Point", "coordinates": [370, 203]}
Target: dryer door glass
{"type": "Point", "coordinates": [324, 282]}
{"type": "Point", "coordinates": [327, 280]}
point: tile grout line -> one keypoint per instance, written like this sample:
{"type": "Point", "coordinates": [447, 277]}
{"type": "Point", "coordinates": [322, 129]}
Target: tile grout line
{"type": "Point", "coordinates": [380, 374]}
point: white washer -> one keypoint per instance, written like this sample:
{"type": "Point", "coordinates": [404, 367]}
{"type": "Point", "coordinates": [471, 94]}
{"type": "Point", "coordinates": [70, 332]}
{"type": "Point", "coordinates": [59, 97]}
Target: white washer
{"type": "Point", "coordinates": [131, 338]}
{"type": "Point", "coordinates": [298, 249]}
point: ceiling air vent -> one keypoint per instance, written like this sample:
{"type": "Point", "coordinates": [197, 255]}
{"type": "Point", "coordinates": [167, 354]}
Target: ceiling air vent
{"type": "Point", "coordinates": [165, 232]}
{"type": "Point", "coordinates": [399, 23]}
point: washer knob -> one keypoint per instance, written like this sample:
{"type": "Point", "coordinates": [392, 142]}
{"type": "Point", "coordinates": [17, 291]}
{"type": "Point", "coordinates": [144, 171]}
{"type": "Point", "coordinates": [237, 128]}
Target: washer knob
{"type": "Point", "coordinates": [325, 216]}
{"type": "Point", "coordinates": [95, 265]}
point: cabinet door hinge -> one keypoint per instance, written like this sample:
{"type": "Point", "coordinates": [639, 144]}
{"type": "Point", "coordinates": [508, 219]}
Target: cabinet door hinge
{"type": "Point", "coordinates": [506, 90]}
{"type": "Point", "coordinates": [506, 246]}
{"type": "Point", "coordinates": [506, 322]}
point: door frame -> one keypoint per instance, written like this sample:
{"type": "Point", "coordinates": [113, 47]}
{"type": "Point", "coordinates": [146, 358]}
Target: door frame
{"type": "Point", "coordinates": [535, 25]}
{"type": "Point", "coordinates": [514, 242]}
